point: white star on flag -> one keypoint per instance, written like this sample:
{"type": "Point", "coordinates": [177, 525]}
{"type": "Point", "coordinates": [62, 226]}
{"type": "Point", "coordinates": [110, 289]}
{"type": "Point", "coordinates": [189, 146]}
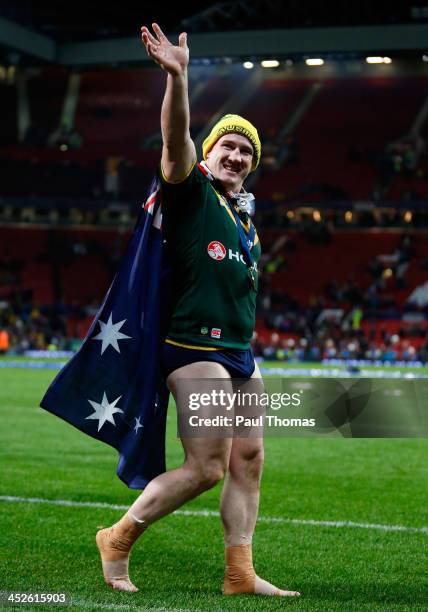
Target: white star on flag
{"type": "Point", "coordinates": [110, 334]}
{"type": "Point", "coordinates": [137, 424]}
{"type": "Point", "coordinates": [104, 411]}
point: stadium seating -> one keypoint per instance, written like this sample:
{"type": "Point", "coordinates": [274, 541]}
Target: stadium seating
{"type": "Point", "coordinates": [77, 265]}
{"type": "Point", "coordinates": [339, 140]}
{"type": "Point", "coordinates": [310, 266]}
{"type": "Point", "coordinates": [118, 108]}
{"type": "Point", "coordinates": [274, 102]}
{"type": "Point", "coordinates": [338, 144]}
{"type": "Point", "coordinates": [343, 134]}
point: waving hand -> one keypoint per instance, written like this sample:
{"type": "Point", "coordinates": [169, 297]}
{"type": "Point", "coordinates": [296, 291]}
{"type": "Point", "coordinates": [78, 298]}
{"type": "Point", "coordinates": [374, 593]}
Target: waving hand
{"type": "Point", "coordinates": [172, 58]}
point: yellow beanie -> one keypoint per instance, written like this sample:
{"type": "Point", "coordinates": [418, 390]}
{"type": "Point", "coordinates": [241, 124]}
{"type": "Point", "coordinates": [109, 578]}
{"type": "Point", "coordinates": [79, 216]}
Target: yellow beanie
{"type": "Point", "coordinates": [234, 124]}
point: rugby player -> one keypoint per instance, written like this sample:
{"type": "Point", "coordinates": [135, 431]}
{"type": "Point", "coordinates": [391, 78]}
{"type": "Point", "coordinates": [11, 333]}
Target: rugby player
{"type": "Point", "coordinates": [214, 250]}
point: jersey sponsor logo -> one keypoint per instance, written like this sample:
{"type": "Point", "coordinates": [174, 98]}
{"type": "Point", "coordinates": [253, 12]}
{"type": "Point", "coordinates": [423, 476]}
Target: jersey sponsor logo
{"type": "Point", "coordinates": [215, 332]}
{"type": "Point", "coordinates": [237, 256]}
{"type": "Point", "coordinates": [216, 250]}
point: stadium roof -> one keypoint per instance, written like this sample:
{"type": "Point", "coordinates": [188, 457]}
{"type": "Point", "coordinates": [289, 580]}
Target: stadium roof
{"type": "Point", "coordinates": [98, 32]}
{"type": "Point", "coordinates": [66, 21]}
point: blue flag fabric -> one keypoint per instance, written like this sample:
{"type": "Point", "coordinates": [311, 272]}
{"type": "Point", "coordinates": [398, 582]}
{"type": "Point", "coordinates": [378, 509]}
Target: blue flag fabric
{"type": "Point", "coordinates": [112, 389]}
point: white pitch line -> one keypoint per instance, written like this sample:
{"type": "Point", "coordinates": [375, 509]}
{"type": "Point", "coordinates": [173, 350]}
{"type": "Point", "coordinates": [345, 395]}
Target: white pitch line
{"type": "Point", "coordinates": [209, 513]}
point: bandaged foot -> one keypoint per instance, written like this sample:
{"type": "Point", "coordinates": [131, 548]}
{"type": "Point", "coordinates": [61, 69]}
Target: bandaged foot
{"type": "Point", "coordinates": [114, 544]}
{"type": "Point", "coordinates": [240, 576]}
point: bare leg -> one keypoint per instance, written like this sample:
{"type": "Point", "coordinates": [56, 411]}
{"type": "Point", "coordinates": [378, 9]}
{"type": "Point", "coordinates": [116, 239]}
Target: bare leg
{"type": "Point", "coordinates": [205, 464]}
{"type": "Point", "coordinates": [239, 509]}
{"type": "Point", "coordinates": [241, 491]}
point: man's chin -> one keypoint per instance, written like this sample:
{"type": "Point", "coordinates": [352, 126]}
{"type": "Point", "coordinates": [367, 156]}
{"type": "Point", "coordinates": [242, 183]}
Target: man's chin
{"type": "Point", "coordinates": [232, 183]}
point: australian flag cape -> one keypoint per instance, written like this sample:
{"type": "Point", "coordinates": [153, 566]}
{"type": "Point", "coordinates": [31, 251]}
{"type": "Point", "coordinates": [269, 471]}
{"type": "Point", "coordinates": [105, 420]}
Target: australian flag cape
{"type": "Point", "coordinates": [112, 389]}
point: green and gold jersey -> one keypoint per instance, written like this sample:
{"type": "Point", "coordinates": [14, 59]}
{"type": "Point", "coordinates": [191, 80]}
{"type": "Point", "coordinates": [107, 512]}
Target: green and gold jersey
{"type": "Point", "coordinates": [214, 299]}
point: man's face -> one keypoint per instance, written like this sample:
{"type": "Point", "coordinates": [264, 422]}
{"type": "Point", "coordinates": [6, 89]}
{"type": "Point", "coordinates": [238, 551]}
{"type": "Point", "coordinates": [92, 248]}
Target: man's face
{"type": "Point", "coordinates": [230, 160]}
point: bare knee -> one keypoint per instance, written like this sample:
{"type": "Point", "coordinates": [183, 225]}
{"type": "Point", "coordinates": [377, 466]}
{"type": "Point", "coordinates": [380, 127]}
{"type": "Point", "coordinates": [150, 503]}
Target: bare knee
{"type": "Point", "coordinates": [206, 475]}
{"type": "Point", "coordinates": [247, 463]}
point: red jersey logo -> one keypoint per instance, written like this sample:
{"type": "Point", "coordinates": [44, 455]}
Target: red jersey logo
{"type": "Point", "coordinates": [216, 250]}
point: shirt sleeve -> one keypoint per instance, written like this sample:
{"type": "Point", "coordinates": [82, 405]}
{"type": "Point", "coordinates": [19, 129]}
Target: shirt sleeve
{"type": "Point", "coordinates": [186, 194]}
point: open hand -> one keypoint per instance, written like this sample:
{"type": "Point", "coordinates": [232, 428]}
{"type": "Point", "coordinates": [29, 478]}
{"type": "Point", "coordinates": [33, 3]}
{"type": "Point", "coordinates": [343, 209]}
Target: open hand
{"type": "Point", "coordinates": [173, 59]}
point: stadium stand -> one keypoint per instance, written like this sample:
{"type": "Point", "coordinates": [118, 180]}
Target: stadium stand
{"type": "Point", "coordinates": [329, 144]}
{"type": "Point", "coordinates": [118, 108]}
{"type": "Point", "coordinates": [341, 140]}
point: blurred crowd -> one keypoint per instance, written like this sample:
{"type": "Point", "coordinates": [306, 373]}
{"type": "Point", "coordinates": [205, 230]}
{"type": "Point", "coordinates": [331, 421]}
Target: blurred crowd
{"type": "Point", "coordinates": [336, 343]}
{"type": "Point", "coordinates": [345, 321]}
{"type": "Point", "coordinates": [26, 326]}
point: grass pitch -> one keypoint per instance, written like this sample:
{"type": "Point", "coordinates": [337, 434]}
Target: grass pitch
{"type": "Point", "coordinates": [178, 563]}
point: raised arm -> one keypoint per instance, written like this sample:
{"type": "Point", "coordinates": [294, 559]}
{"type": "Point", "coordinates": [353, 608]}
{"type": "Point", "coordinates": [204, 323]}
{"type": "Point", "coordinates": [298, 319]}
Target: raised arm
{"type": "Point", "coordinates": [178, 152]}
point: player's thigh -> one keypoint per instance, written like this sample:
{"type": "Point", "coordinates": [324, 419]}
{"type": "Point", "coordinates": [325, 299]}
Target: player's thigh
{"type": "Point", "coordinates": [203, 444]}
{"type": "Point", "coordinates": [247, 444]}
{"type": "Point", "coordinates": [256, 373]}
{"type": "Point", "coordinates": [199, 370]}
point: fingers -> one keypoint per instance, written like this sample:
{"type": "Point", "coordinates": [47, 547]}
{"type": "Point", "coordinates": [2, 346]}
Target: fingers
{"type": "Point", "coordinates": [151, 43]}
{"type": "Point", "coordinates": [147, 36]}
{"type": "Point", "coordinates": [161, 36]}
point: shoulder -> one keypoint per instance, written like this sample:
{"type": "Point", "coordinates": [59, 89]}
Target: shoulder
{"type": "Point", "coordinates": [195, 176]}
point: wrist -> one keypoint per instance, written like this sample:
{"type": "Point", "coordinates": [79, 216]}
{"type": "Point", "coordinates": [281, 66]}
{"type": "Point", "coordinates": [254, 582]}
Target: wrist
{"type": "Point", "coordinates": [179, 75]}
